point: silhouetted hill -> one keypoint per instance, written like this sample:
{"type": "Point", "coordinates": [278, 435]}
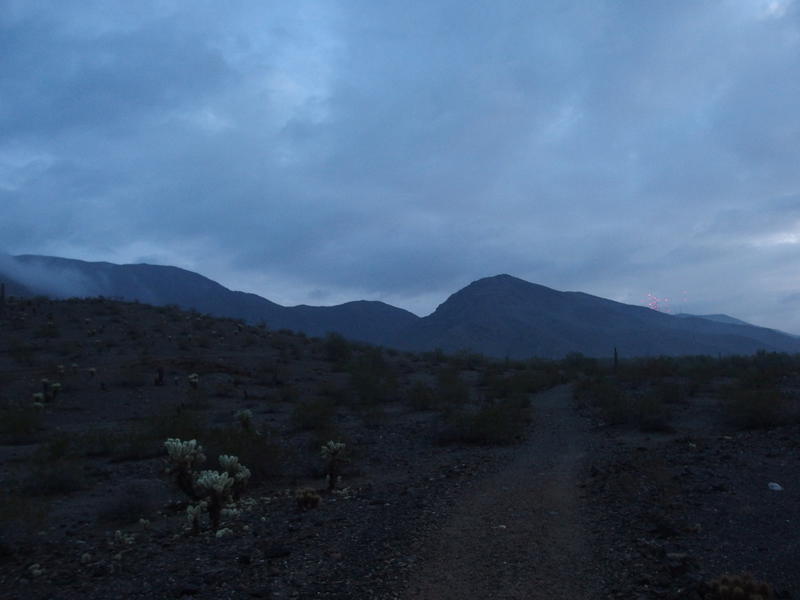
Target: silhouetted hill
{"type": "Point", "coordinates": [373, 322]}
{"type": "Point", "coordinates": [506, 316]}
{"type": "Point", "coordinates": [497, 316]}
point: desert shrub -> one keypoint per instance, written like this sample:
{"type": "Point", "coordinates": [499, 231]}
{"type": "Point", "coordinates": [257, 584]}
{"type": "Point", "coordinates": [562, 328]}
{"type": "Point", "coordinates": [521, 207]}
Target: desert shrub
{"type": "Point", "coordinates": [288, 394]}
{"type": "Point", "coordinates": [20, 424]}
{"type": "Point", "coordinates": [225, 389]}
{"type": "Point", "coordinates": [145, 439]}
{"type": "Point", "coordinates": [421, 396]}
{"type": "Point", "coordinates": [670, 392]}
{"type": "Point", "coordinates": [450, 389]}
{"type": "Point", "coordinates": [262, 454]}
{"type": "Point", "coordinates": [369, 387]}
{"type": "Point", "coordinates": [54, 469]}
{"type": "Point", "coordinates": [127, 505]}
{"type": "Point", "coordinates": [99, 442]}
{"type": "Point", "coordinates": [196, 397]}
{"type": "Point", "coordinates": [20, 517]}
{"type": "Point", "coordinates": [21, 352]}
{"type": "Point", "coordinates": [372, 378]}
{"type": "Point", "coordinates": [649, 412]}
{"type": "Point", "coordinates": [183, 423]}
{"type": "Point", "coordinates": [373, 415]}
{"type": "Point", "coordinates": [49, 330]}
{"type": "Point", "coordinates": [758, 408]}
{"type": "Point", "coordinates": [336, 393]}
{"type": "Point", "coordinates": [496, 424]}
{"type": "Point", "coordinates": [137, 444]}
{"type": "Point", "coordinates": [646, 369]}
{"type": "Point", "coordinates": [468, 361]}
{"type": "Point", "coordinates": [436, 357]}
{"type": "Point", "coordinates": [523, 381]}
{"type": "Point", "coordinates": [610, 398]}
{"type": "Point", "coordinates": [311, 415]}
{"type": "Point", "coordinates": [736, 587]}
{"type": "Point", "coordinates": [337, 349]}
{"type": "Point", "coordinates": [307, 498]}
{"type": "Point", "coordinates": [133, 376]}
{"type": "Point", "coordinates": [576, 364]}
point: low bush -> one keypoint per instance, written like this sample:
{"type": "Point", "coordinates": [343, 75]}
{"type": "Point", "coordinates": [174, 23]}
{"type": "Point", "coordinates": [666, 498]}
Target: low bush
{"type": "Point", "coordinates": [613, 402]}
{"type": "Point", "coordinates": [759, 408]}
{"type": "Point", "coordinates": [262, 454]}
{"type": "Point", "coordinates": [421, 397]}
{"type": "Point", "coordinates": [50, 477]}
{"type": "Point", "coordinates": [496, 424]}
{"type": "Point", "coordinates": [337, 349]}
{"type": "Point", "coordinates": [20, 425]}
{"type": "Point", "coordinates": [735, 587]}
{"type": "Point", "coordinates": [670, 392]}
{"type": "Point", "coordinates": [650, 413]}
{"type": "Point", "coordinates": [451, 390]}
{"type": "Point", "coordinates": [313, 415]}
{"type": "Point", "coordinates": [20, 517]}
{"type": "Point", "coordinates": [127, 505]}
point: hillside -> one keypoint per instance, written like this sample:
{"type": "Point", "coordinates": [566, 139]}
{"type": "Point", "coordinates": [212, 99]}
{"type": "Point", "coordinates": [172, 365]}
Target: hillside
{"type": "Point", "coordinates": [164, 285]}
{"type": "Point", "coordinates": [461, 476]}
{"type": "Point", "coordinates": [506, 316]}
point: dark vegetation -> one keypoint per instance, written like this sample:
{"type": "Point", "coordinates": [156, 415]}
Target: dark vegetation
{"type": "Point", "coordinates": [91, 389]}
{"type": "Point", "coordinates": [754, 392]}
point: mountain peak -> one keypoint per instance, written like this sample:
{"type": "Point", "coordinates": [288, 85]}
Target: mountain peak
{"type": "Point", "coordinates": [500, 315]}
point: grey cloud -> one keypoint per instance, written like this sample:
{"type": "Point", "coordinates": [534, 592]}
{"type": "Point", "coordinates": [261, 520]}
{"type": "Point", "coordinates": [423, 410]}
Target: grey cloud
{"type": "Point", "coordinates": [39, 278]}
{"type": "Point", "coordinates": [397, 151]}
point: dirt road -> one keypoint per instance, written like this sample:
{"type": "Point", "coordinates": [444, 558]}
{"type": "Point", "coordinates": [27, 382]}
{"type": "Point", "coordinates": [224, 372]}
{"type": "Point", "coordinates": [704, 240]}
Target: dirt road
{"type": "Point", "coordinates": [521, 534]}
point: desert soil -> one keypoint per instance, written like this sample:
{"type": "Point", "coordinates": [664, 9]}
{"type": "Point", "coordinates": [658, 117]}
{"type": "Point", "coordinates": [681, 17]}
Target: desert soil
{"type": "Point", "coordinates": [521, 532]}
{"type": "Point", "coordinates": [576, 508]}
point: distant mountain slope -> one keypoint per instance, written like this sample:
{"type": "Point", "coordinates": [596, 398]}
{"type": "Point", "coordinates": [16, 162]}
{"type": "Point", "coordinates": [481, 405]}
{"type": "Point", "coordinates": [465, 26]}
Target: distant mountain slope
{"type": "Point", "coordinates": [506, 316]}
{"type": "Point", "coordinates": [718, 318]}
{"type": "Point", "coordinates": [497, 316]}
{"type": "Point", "coordinates": [372, 322]}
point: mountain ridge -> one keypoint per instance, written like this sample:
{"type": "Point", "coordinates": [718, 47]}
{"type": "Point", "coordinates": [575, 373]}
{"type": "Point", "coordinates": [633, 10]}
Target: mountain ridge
{"type": "Point", "coordinates": [500, 315]}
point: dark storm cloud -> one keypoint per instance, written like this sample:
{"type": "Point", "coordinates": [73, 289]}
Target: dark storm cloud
{"type": "Point", "coordinates": [398, 151]}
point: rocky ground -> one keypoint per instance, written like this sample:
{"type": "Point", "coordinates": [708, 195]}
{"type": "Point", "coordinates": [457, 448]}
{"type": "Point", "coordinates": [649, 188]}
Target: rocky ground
{"type": "Point", "coordinates": [570, 507]}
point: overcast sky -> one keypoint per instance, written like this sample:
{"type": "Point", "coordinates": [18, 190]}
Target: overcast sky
{"type": "Point", "coordinates": [319, 152]}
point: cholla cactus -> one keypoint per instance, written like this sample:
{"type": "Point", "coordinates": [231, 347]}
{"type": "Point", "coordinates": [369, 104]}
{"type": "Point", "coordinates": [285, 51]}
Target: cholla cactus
{"type": "Point", "coordinates": [184, 458]}
{"type": "Point", "coordinates": [237, 471]}
{"type": "Point", "coordinates": [217, 488]}
{"type": "Point", "coordinates": [194, 380]}
{"type": "Point", "coordinates": [55, 389]}
{"type": "Point", "coordinates": [333, 455]}
{"type": "Point", "coordinates": [213, 488]}
{"type": "Point", "coordinates": [193, 513]}
{"type": "Point", "coordinates": [332, 449]}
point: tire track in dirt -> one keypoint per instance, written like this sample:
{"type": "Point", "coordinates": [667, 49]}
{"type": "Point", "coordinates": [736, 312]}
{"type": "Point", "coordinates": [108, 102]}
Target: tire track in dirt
{"type": "Point", "coordinates": [521, 533]}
